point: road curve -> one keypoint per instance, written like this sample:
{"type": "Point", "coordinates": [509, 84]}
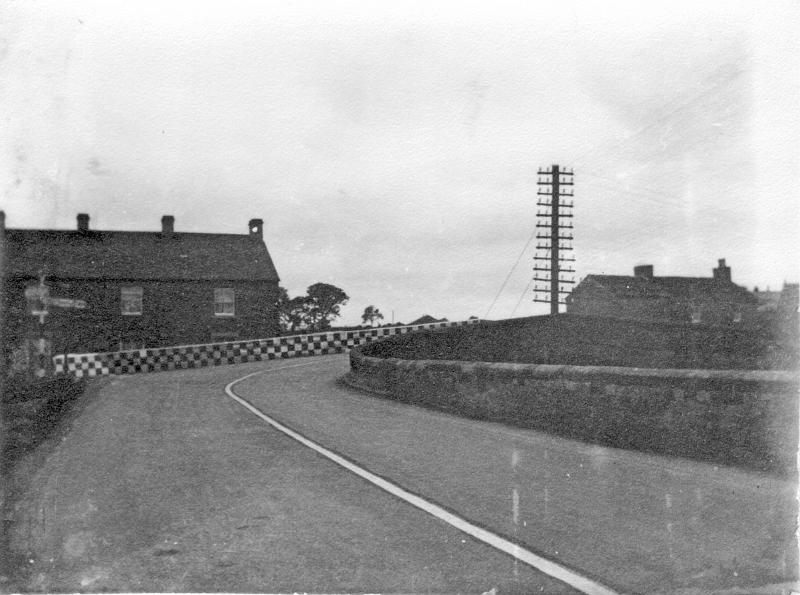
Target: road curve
{"type": "Point", "coordinates": [515, 550]}
{"type": "Point", "coordinates": [162, 483]}
{"type": "Point", "coordinates": [637, 522]}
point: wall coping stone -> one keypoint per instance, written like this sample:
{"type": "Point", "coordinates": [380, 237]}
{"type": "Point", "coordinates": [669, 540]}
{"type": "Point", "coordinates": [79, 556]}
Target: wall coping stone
{"type": "Point", "coordinates": [588, 372]}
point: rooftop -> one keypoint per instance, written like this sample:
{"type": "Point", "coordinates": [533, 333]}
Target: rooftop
{"type": "Point", "coordinates": [164, 255]}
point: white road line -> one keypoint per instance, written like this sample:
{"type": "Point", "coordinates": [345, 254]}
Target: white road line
{"type": "Point", "coordinates": [553, 569]}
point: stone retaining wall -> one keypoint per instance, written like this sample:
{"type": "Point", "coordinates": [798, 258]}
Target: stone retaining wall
{"type": "Point", "coordinates": [746, 418]}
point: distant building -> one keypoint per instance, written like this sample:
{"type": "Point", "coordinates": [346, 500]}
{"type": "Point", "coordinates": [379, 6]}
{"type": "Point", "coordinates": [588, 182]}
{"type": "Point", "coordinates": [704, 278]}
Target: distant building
{"type": "Point", "coordinates": [783, 303]}
{"type": "Point", "coordinates": [714, 300]}
{"type": "Point", "coordinates": [427, 319]}
{"type": "Point", "coordinates": [767, 301]}
{"type": "Point", "coordinates": [85, 290]}
{"type": "Point", "coordinates": [789, 302]}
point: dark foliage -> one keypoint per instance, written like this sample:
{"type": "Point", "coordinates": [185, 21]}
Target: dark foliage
{"type": "Point", "coordinates": [32, 411]}
{"type": "Point", "coordinates": [593, 341]}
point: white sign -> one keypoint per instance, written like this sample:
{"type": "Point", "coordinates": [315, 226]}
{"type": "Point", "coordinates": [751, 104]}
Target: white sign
{"type": "Point", "coordinates": [37, 292]}
{"type": "Point", "coordinates": [64, 302]}
{"type": "Point", "coordinates": [36, 296]}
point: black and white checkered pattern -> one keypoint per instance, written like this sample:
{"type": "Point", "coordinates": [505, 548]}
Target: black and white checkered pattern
{"type": "Point", "coordinates": [235, 352]}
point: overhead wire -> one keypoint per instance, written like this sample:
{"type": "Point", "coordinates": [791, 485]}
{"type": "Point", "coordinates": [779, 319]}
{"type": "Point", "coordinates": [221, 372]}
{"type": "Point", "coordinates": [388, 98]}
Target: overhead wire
{"type": "Point", "coordinates": [500, 291]}
{"type": "Point", "coordinates": [521, 297]}
{"type": "Point", "coordinates": [654, 197]}
{"type": "Point", "coordinates": [694, 99]}
{"type": "Point", "coordinates": [633, 189]}
{"type": "Point", "coordinates": [646, 194]}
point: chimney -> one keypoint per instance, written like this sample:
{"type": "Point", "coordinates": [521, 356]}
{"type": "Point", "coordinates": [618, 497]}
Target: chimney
{"type": "Point", "coordinates": [643, 271]}
{"type": "Point", "coordinates": [167, 225]}
{"type": "Point", "coordinates": [83, 222]}
{"type": "Point", "coordinates": [722, 272]}
{"type": "Point", "coordinates": [256, 227]}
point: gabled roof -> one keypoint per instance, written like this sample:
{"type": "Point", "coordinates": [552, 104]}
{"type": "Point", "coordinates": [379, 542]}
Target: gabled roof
{"type": "Point", "coordinates": [137, 255]}
{"type": "Point", "coordinates": [662, 287]}
{"type": "Point", "coordinates": [427, 319]}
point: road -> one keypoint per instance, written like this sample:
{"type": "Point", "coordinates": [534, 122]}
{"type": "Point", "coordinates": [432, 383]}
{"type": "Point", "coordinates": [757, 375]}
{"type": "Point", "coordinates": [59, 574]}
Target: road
{"type": "Point", "coordinates": [164, 483]}
{"type": "Point", "coordinates": [639, 522]}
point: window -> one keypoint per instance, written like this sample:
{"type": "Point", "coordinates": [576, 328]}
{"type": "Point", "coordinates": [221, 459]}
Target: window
{"type": "Point", "coordinates": [223, 337]}
{"type": "Point", "coordinates": [224, 304]}
{"type": "Point", "coordinates": [131, 300]}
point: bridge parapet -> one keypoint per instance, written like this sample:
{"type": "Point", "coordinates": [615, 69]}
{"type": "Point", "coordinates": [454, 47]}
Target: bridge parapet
{"type": "Point", "coordinates": [747, 418]}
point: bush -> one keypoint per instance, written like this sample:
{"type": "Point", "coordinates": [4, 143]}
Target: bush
{"type": "Point", "coordinates": [32, 411]}
{"type": "Point", "coordinates": [592, 341]}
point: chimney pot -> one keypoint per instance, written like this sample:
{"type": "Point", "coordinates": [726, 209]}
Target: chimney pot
{"type": "Point", "coordinates": [167, 225]}
{"type": "Point", "coordinates": [83, 222]}
{"type": "Point", "coordinates": [256, 228]}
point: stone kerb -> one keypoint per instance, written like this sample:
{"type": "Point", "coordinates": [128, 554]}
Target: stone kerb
{"type": "Point", "coordinates": [742, 417]}
{"type": "Point", "coordinates": [235, 352]}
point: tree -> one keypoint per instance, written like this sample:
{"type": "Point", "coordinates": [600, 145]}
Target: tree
{"type": "Point", "coordinates": [282, 305]}
{"type": "Point", "coordinates": [371, 314]}
{"type": "Point", "coordinates": [324, 303]}
{"type": "Point", "coordinates": [299, 312]}
{"type": "Point", "coordinates": [293, 313]}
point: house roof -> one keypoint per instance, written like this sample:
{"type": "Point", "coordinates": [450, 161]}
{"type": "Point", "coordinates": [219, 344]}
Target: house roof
{"type": "Point", "coordinates": [790, 297]}
{"type": "Point", "coordinates": [767, 300]}
{"type": "Point", "coordinates": [427, 319]}
{"type": "Point", "coordinates": [137, 255]}
{"type": "Point", "coordinates": [662, 287]}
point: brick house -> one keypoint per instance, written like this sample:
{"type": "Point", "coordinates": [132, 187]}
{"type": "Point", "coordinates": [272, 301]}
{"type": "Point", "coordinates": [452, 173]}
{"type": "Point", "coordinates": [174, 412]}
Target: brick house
{"type": "Point", "coordinates": [714, 300]}
{"type": "Point", "coordinates": [112, 290]}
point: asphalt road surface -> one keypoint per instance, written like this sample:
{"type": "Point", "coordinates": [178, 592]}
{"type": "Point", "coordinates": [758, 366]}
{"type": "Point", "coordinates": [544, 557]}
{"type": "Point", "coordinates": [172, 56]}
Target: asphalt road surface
{"type": "Point", "coordinates": [165, 483]}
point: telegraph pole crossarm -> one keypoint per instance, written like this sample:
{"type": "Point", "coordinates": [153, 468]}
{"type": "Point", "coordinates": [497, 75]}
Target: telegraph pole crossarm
{"type": "Point", "coordinates": [554, 185]}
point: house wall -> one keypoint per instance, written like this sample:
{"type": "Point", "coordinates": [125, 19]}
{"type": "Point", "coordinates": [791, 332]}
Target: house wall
{"type": "Point", "coordinates": [712, 308]}
{"type": "Point", "coordinates": [720, 309]}
{"type": "Point", "coordinates": [173, 312]}
{"type": "Point", "coordinates": [633, 308]}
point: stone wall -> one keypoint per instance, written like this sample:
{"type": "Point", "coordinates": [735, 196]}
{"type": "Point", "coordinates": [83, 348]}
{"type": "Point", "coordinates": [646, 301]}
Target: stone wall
{"type": "Point", "coordinates": [744, 418]}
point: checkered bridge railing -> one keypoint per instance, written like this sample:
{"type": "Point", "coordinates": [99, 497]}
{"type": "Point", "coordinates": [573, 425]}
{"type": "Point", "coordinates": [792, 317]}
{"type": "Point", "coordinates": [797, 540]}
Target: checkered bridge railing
{"type": "Point", "coordinates": [235, 352]}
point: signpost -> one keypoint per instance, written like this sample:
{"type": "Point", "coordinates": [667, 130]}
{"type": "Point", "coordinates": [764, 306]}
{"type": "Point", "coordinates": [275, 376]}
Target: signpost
{"type": "Point", "coordinates": [39, 304]}
{"type": "Point", "coordinates": [64, 302]}
{"type": "Point", "coordinates": [37, 296]}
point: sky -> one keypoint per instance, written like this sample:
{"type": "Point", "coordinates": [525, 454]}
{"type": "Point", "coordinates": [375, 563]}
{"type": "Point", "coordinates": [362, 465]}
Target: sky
{"type": "Point", "coordinates": [392, 149]}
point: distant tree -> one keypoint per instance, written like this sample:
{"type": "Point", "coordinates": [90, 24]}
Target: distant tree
{"type": "Point", "coordinates": [293, 313]}
{"type": "Point", "coordinates": [300, 313]}
{"type": "Point", "coordinates": [282, 305]}
{"type": "Point", "coordinates": [371, 314]}
{"type": "Point", "coordinates": [323, 304]}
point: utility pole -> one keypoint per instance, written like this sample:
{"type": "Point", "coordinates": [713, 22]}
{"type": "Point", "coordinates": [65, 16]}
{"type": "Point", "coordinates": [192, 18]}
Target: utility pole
{"type": "Point", "coordinates": [551, 243]}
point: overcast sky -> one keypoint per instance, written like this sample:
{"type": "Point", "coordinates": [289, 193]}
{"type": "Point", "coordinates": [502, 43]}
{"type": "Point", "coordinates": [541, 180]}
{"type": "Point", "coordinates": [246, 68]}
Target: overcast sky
{"type": "Point", "coordinates": [392, 148]}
